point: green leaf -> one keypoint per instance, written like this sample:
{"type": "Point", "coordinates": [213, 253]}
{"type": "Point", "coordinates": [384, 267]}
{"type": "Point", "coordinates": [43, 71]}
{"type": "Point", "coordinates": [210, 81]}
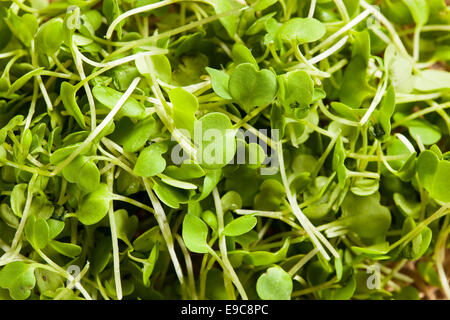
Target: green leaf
{"type": "Point", "coordinates": [171, 196]}
{"type": "Point", "coordinates": [55, 227]}
{"type": "Point", "coordinates": [83, 172]}
{"type": "Point", "coordinates": [7, 215]}
{"type": "Point", "coordinates": [126, 226]}
{"type": "Point", "coordinates": [274, 284]}
{"type": "Point", "coordinates": [359, 212]}
{"type": "Point", "coordinates": [47, 280]}
{"type": "Point", "coordinates": [384, 114]}
{"type": "Point", "coordinates": [94, 206]}
{"type": "Point", "coordinates": [18, 277]}
{"type": "Point", "coordinates": [24, 27]}
{"type": "Point", "coordinates": [373, 250]}
{"type": "Point", "coordinates": [240, 226]}
{"type": "Point", "coordinates": [297, 90]}
{"type": "Point", "coordinates": [195, 233]}
{"type": "Point", "coordinates": [37, 232]}
{"type": "Point", "coordinates": [338, 163]}
{"type": "Point", "coordinates": [432, 80]}
{"type": "Point", "coordinates": [270, 195]}
{"type": "Point", "coordinates": [133, 136]}
{"type": "Point", "coordinates": [185, 105]}
{"type": "Point", "coordinates": [427, 164]}
{"type": "Point", "coordinates": [399, 69]}
{"type": "Point", "coordinates": [263, 4]}
{"type": "Point", "coordinates": [230, 23]}
{"type": "Point", "coordinates": [176, 183]}
{"type": "Point", "coordinates": [302, 30]}
{"type": "Point", "coordinates": [215, 140]}
{"type": "Point", "coordinates": [439, 189]}
{"type": "Point", "coordinates": [67, 249]}
{"type": "Point", "coordinates": [416, 248]}
{"type": "Point", "coordinates": [150, 161]}
{"type": "Point", "coordinates": [211, 179]}
{"type": "Point", "coordinates": [70, 103]}
{"type": "Point", "coordinates": [158, 64]}
{"type": "Point", "coordinates": [149, 265]}
{"type": "Point", "coordinates": [19, 83]}
{"type": "Point", "coordinates": [109, 97]}
{"type": "Point", "coordinates": [241, 54]}
{"type": "Point", "coordinates": [231, 201]}
{"type": "Point", "coordinates": [111, 11]}
{"type": "Point", "coordinates": [50, 37]}
{"type": "Point", "coordinates": [345, 292]}
{"type": "Point", "coordinates": [419, 10]}
{"type": "Point", "coordinates": [64, 152]}
{"type": "Point", "coordinates": [259, 24]}
{"type": "Point", "coordinates": [210, 218]}
{"type": "Point", "coordinates": [250, 87]}
{"type": "Point", "coordinates": [18, 198]}
{"type": "Point", "coordinates": [264, 258]}
{"type": "Point", "coordinates": [219, 82]}
{"type": "Point", "coordinates": [408, 207]}
{"type": "Point", "coordinates": [4, 30]}
{"type": "Point", "coordinates": [428, 133]}
{"type": "Point", "coordinates": [185, 171]}
{"type": "Point", "coordinates": [364, 187]}
{"type": "Point", "coordinates": [146, 241]}
{"type": "Point", "coordinates": [355, 88]}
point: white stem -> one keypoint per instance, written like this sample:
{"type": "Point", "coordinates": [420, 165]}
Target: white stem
{"type": "Point", "coordinates": [416, 43]}
{"type": "Point", "coordinates": [380, 34]}
{"type": "Point", "coordinates": [410, 97]}
{"type": "Point", "coordinates": [223, 246]}
{"type": "Point", "coordinates": [376, 100]}
{"type": "Point", "coordinates": [304, 222]}
{"type": "Point", "coordinates": [134, 11]}
{"type": "Point", "coordinates": [329, 51]}
{"type": "Point", "coordinates": [442, 276]}
{"type": "Point", "coordinates": [25, 214]}
{"type": "Point", "coordinates": [312, 8]}
{"type": "Point", "coordinates": [115, 241]}
{"type": "Point", "coordinates": [341, 31]}
{"type": "Point", "coordinates": [397, 41]}
{"type": "Point", "coordinates": [342, 10]}
{"type": "Point", "coordinates": [87, 88]}
{"type": "Point", "coordinates": [189, 266]}
{"type": "Point", "coordinates": [436, 28]}
{"type": "Point", "coordinates": [302, 262]}
{"type": "Point", "coordinates": [115, 63]}
{"type": "Point", "coordinates": [406, 142]}
{"type": "Point", "coordinates": [165, 230]}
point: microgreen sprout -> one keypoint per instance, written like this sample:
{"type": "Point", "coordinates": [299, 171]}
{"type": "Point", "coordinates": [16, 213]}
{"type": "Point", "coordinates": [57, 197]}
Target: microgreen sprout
{"type": "Point", "coordinates": [223, 149]}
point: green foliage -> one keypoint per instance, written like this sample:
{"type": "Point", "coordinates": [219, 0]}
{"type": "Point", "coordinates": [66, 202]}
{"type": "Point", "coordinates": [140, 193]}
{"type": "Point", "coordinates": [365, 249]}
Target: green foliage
{"type": "Point", "coordinates": [274, 284]}
{"type": "Point", "coordinates": [261, 149]}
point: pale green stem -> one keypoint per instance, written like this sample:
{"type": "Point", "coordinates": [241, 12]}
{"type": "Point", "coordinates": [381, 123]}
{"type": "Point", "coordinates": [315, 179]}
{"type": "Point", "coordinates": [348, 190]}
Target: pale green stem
{"type": "Point", "coordinates": [25, 213]}
{"type": "Point", "coordinates": [223, 246]}
{"type": "Point", "coordinates": [115, 241]}
{"type": "Point", "coordinates": [304, 222]}
{"type": "Point", "coordinates": [416, 46]}
{"type": "Point", "coordinates": [302, 262]}
{"type": "Point", "coordinates": [165, 230]}
{"type": "Point", "coordinates": [312, 8]}
{"type": "Point", "coordinates": [350, 25]}
{"type": "Point", "coordinates": [189, 266]}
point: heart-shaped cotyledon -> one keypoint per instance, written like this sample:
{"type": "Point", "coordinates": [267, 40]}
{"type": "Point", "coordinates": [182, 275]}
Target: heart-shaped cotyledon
{"type": "Point", "coordinates": [251, 87]}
